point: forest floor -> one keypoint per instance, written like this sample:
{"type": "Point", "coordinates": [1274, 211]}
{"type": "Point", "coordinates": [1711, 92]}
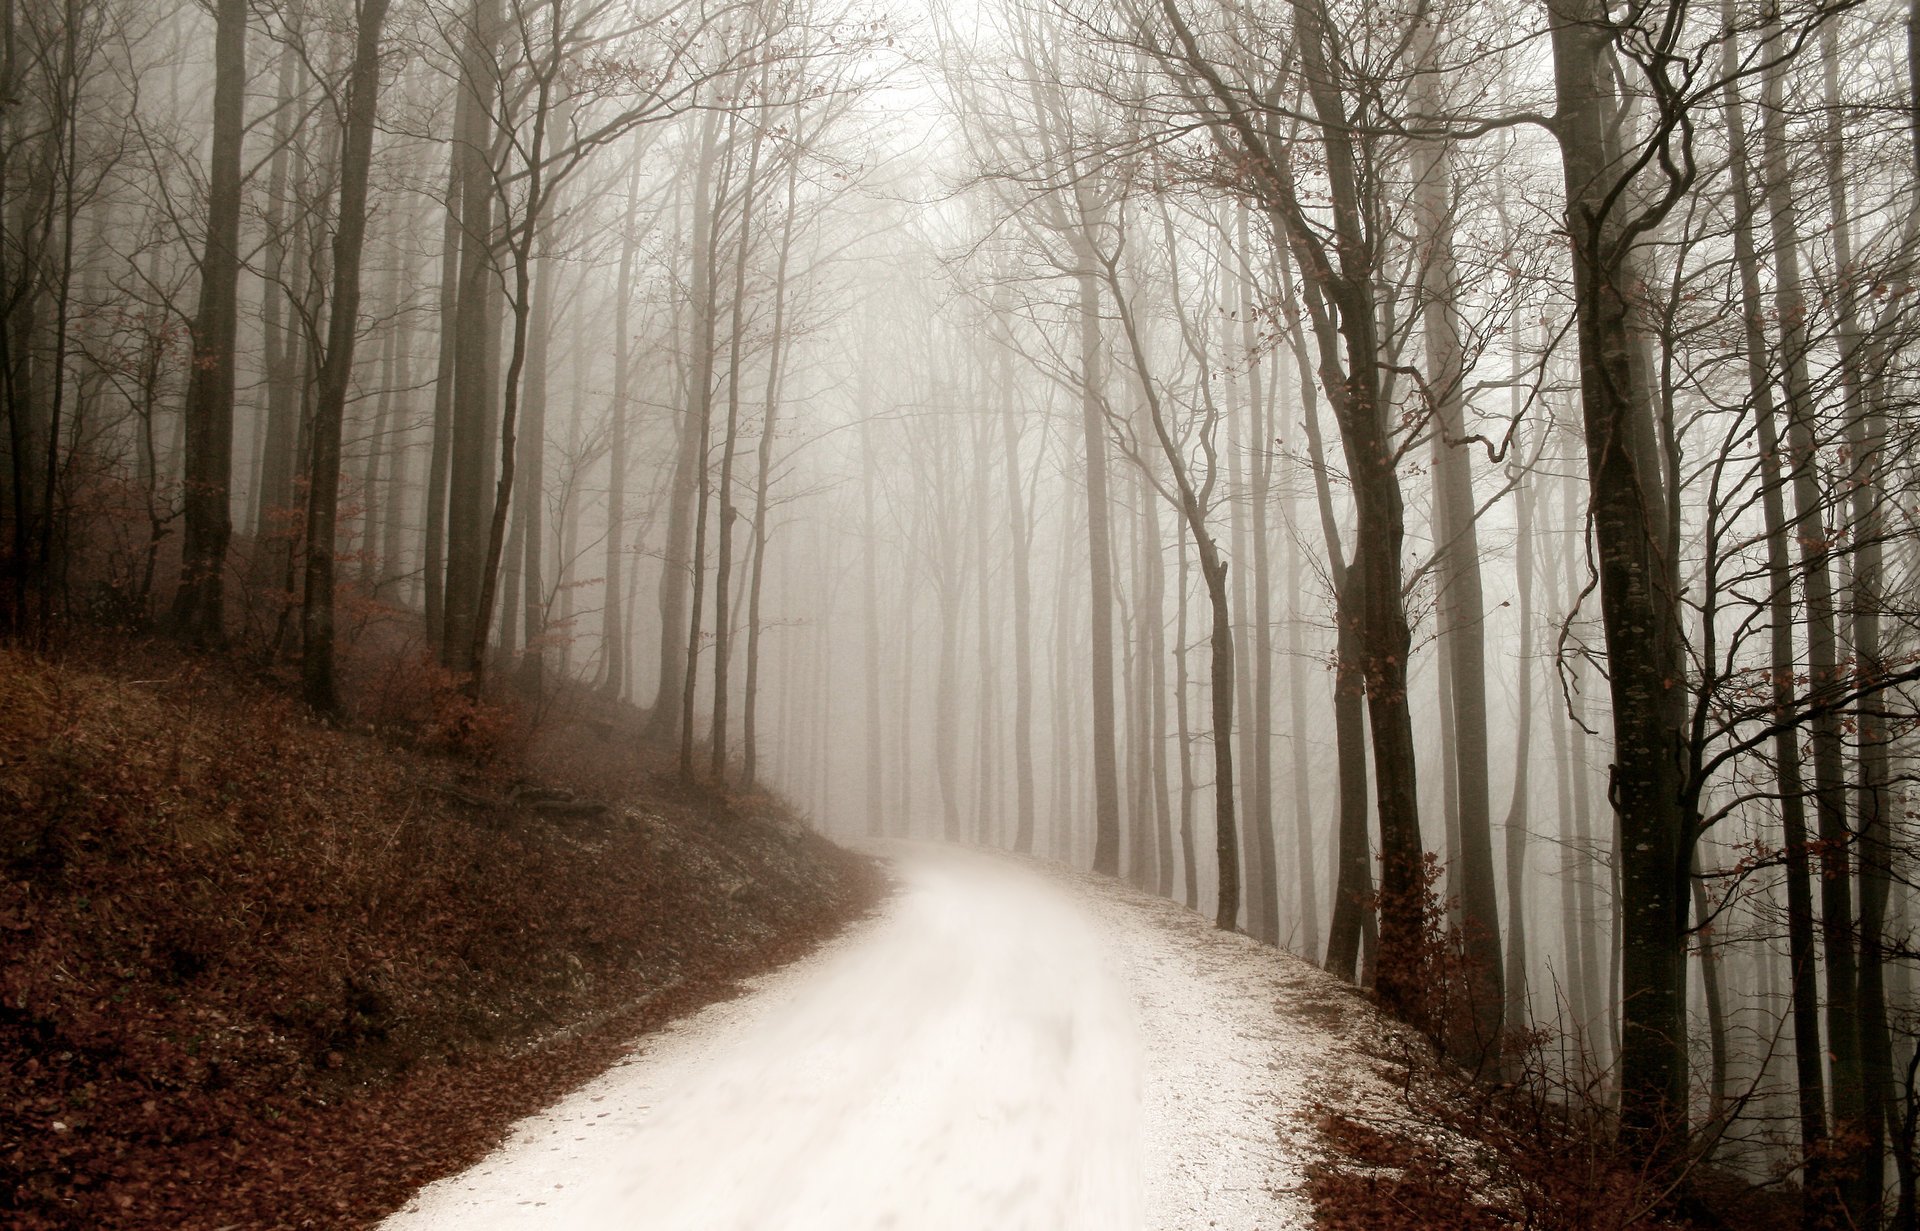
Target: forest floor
{"type": "Point", "coordinates": [1005, 1044]}
{"type": "Point", "coordinates": [259, 972]}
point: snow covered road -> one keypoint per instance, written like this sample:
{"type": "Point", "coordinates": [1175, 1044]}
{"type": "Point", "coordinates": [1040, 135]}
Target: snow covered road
{"type": "Point", "coordinates": [1001, 1046]}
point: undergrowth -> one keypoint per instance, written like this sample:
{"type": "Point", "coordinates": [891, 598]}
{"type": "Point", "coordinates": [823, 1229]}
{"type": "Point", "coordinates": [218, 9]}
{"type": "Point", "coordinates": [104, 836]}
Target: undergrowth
{"type": "Point", "coordinates": [256, 971]}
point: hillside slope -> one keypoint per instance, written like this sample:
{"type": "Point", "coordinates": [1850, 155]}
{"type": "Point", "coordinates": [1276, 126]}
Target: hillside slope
{"type": "Point", "coordinates": [254, 971]}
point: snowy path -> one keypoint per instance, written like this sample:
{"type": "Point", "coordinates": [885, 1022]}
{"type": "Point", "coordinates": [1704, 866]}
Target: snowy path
{"type": "Point", "coordinates": [1000, 1047]}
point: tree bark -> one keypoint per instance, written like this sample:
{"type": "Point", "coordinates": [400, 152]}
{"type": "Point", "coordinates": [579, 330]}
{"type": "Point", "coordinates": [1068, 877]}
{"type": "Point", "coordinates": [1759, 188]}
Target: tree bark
{"type": "Point", "coordinates": [476, 341]}
{"type": "Point", "coordinates": [1808, 1054]}
{"type": "Point", "coordinates": [1639, 614]}
{"type": "Point", "coordinates": [323, 491]}
{"type": "Point", "coordinates": [1093, 427]}
{"type": "Point", "coordinates": [665, 721]}
{"type": "Point", "coordinates": [1462, 606]}
{"type": "Point", "coordinates": [199, 605]}
{"type": "Point", "coordinates": [762, 532]}
{"type": "Point", "coordinates": [613, 625]}
{"type": "Point", "coordinates": [1808, 529]}
{"type": "Point", "coordinates": [1020, 540]}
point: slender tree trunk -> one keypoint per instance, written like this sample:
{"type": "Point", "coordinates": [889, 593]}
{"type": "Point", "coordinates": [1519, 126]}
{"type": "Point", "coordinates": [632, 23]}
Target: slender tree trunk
{"type": "Point", "coordinates": [199, 605]}
{"type": "Point", "coordinates": [620, 413]}
{"type": "Point", "coordinates": [987, 725]}
{"type": "Point", "coordinates": [1213, 572]}
{"type": "Point", "coordinates": [1341, 299]}
{"type": "Point", "coordinates": [1305, 820]}
{"type": "Point", "coordinates": [909, 660]}
{"type": "Point", "coordinates": [273, 490]}
{"type": "Point", "coordinates": [949, 585]}
{"type": "Point", "coordinates": [1019, 537]}
{"type": "Point", "coordinates": [666, 719]}
{"type": "Point", "coordinates": [1808, 1053]}
{"type": "Point", "coordinates": [1154, 624]}
{"type": "Point", "coordinates": [440, 450]}
{"type": "Point", "coordinates": [1710, 982]}
{"type": "Point", "coordinates": [1867, 435]}
{"type": "Point", "coordinates": [531, 466]}
{"type": "Point", "coordinates": [521, 242]}
{"type": "Point", "coordinates": [1257, 890]}
{"type": "Point", "coordinates": [1353, 872]}
{"type": "Point", "coordinates": [1258, 721]}
{"type": "Point", "coordinates": [476, 342]}
{"type": "Point", "coordinates": [323, 490]}
{"type": "Point", "coordinates": [1640, 616]}
{"type": "Point", "coordinates": [379, 447]}
{"type": "Point", "coordinates": [700, 411]}
{"type": "Point", "coordinates": [1190, 883]}
{"type": "Point", "coordinates": [1106, 770]}
{"type": "Point", "coordinates": [399, 466]}
{"type": "Point", "coordinates": [1516, 1014]}
{"type": "Point", "coordinates": [769, 420]}
{"type": "Point", "coordinates": [1575, 926]}
{"type": "Point", "coordinates": [870, 595]}
{"type": "Point", "coordinates": [1462, 607]}
{"type": "Point", "coordinates": [723, 555]}
{"type": "Point", "coordinates": [1808, 528]}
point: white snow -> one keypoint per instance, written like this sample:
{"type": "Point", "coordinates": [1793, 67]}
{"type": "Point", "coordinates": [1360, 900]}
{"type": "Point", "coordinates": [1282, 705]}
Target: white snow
{"type": "Point", "coordinates": [1002, 1046]}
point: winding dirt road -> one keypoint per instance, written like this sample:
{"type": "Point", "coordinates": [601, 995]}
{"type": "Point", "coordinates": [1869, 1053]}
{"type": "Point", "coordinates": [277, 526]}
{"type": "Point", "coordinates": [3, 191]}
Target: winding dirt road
{"type": "Point", "coordinates": [1002, 1046]}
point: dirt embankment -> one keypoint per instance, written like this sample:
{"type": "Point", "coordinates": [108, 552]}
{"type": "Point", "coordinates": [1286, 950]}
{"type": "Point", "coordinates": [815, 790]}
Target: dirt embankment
{"type": "Point", "coordinates": [255, 972]}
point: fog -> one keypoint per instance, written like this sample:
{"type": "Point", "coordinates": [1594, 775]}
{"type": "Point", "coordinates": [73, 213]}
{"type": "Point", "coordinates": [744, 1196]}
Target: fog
{"type": "Point", "coordinates": [1428, 486]}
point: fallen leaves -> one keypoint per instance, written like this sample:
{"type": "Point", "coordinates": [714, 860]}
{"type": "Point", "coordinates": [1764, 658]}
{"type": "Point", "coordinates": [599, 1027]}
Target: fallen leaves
{"type": "Point", "coordinates": [253, 974]}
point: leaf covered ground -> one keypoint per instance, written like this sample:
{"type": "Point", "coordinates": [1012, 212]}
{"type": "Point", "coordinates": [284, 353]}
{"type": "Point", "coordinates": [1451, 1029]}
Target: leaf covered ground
{"type": "Point", "coordinates": [259, 972]}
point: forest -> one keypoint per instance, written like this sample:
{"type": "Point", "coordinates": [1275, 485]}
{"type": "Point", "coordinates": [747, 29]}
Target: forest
{"type": "Point", "coordinates": [1429, 484]}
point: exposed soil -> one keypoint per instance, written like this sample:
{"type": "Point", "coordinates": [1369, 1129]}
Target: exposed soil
{"type": "Point", "coordinates": [256, 972]}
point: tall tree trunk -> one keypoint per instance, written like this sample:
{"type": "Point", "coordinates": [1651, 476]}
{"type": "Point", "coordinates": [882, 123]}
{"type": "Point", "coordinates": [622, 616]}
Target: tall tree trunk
{"type": "Point", "coordinates": [1462, 607]}
{"type": "Point", "coordinates": [949, 585]}
{"type": "Point", "coordinates": [1575, 926]}
{"type": "Point", "coordinates": [1305, 819]}
{"type": "Point", "coordinates": [1711, 992]}
{"type": "Point", "coordinates": [1340, 297]}
{"type": "Point", "coordinates": [273, 489]}
{"type": "Point", "coordinates": [323, 490]}
{"type": "Point", "coordinates": [723, 554]}
{"type": "Point", "coordinates": [987, 722]}
{"type": "Point", "coordinates": [399, 479]}
{"type": "Point", "coordinates": [380, 448]}
{"type": "Point", "coordinates": [870, 595]}
{"type": "Point", "coordinates": [1808, 529]}
{"type": "Point", "coordinates": [1639, 614]}
{"type": "Point", "coordinates": [909, 661]}
{"type": "Point", "coordinates": [769, 420]}
{"type": "Point", "coordinates": [1189, 872]}
{"type": "Point", "coordinates": [700, 412]}
{"type": "Point", "coordinates": [199, 605]}
{"type": "Point", "coordinates": [440, 449]}
{"type": "Point", "coordinates": [620, 414]}
{"type": "Point", "coordinates": [1257, 890]}
{"type": "Point", "coordinates": [521, 241]}
{"type": "Point", "coordinates": [1213, 572]}
{"type": "Point", "coordinates": [1258, 720]}
{"type": "Point", "coordinates": [1808, 1054]}
{"type": "Point", "coordinates": [676, 567]}
{"type": "Point", "coordinates": [1867, 435]}
{"type": "Point", "coordinates": [531, 465]}
{"type": "Point", "coordinates": [1516, 1013]}
{"type": "Point", "coordinates": [1353, 871]}
{"type": "Point", "coordinates": [476, 341]}
{"type": "Point", "coordinates": [1093, 427]}
{"type": "Point", "coordinates": [1019, 537]}
{"type": "Point", "coordinates": [1153, 600]}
